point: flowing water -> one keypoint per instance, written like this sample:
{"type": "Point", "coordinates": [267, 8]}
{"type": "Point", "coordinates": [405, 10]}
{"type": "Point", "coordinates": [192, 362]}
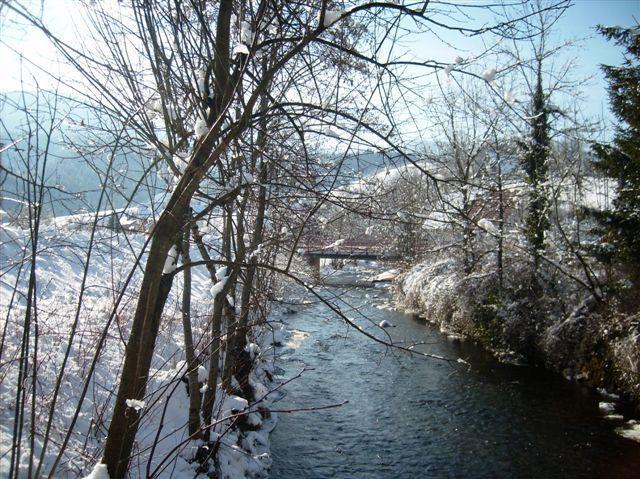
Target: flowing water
{"type": "Point", "coordinates": [411, 417]}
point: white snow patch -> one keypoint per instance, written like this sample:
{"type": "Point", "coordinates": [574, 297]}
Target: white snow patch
{"type": "Point", "coordinates": [221, 273]}
{"type": "Point", "coordinates": [335, 244]}
{"type": "Point", "coordinates": [240, 49]}
{"type": "Point", "coordinates": [99, 471]}
{"type": "Point", "coordinates": [246, 34]}
{"type": "Point", "coordinates": [631, 430]}
{"type": "Point", "coordinates": [489, 75]}
{"type": "Point", "coordinates": [135, 404]}
{"type": "Point", "coordinates": [606, 407]}
{"type": "Point", "coordinates": [200, 128]}
{"type": "Point", "coordinates": [331, 17]}
{"type": "Point", "coordinates": [614, 417]}
{"type": "Point", "coordinates": [170, 262]}
{"type": "Point", "coordinates": [203, 374]}
{"type": "Point", "coordinates": [604, 393]}
{"type": "Point", "coordinates": [253, 349]}
{"type": "Point", "coordinates": [488, 226]}
{"type": "Point", "coordinates": [234, 403]}
{"type": "Point", "coordinates": [216, 289]}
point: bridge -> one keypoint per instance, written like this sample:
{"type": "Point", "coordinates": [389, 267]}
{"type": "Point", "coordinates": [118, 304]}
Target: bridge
{"type": "Point", "coordinates": [350, 249]}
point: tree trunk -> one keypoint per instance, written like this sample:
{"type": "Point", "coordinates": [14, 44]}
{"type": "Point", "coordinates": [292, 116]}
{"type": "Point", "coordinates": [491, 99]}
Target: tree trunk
{"type": "Point", "coordinates": [139, 351]}
{"type": "Point", "coordinates": [192, 364]}
{"type": "Point", "coordinates": [156, 285]}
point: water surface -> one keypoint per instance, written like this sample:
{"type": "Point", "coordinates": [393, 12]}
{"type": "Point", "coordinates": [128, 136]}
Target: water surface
{"type": "Point", "coordinates": [412, 417]}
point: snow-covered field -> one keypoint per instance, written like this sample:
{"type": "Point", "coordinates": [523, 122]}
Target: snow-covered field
{"type": "Point", "coordinates": [86, 382]}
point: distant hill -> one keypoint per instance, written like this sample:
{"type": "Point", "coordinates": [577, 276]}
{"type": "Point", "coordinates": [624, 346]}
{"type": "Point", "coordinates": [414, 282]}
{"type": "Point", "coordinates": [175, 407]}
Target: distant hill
{"type": "Point", "coordinates": [77, 158]}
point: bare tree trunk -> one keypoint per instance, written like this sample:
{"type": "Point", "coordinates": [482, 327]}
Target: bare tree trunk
{"type": "Point", "coordinates": [192, 364]}
{"type": "Point", "coordinates": [139, 351]}
{"type": "Point", "coordinates": [220, 307]}
{"type": "Point", "coordinates": [156, 285]}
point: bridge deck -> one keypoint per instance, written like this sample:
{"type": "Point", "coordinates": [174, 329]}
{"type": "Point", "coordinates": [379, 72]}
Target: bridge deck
{"type": "Point", "coordinates": [362, 248]}
{"type": "Point", "coordinates": [364, 255]}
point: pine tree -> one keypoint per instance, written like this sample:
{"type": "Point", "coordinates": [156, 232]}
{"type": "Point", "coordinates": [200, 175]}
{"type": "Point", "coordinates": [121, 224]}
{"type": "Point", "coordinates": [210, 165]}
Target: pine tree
{"type": "Point", "coordinates": [620, 160]}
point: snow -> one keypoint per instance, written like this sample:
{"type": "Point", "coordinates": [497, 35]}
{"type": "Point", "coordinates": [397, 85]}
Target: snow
{"type": "Point", "coordinates": [234, 404]}
{"type": "Point", "coordinates": [631, 430]}
{"type": "Point", "coordinates": [60, 268]}
{"type": "Point", "coordinates": [607, 407]}
{"type": "Point", "coordinates": [203, 374]}
{"type": "Point", "coordinates": [246, 34]}
{"type": "Point", "coordinates": [488, 226]}
{"type": "Point", "coordinates": [335, 244]}
{"type": "Point", "coordinates": [253, 349]}
{"type": "Point", "coordinates": [448, 69]}
{"type": "Point", "coordinates": [388, 275]}
{"type": "Point", "coordinates": [509, 97]}
{"type": "Point", "coordinates": [171, 261]}
{"type": "Point", "coordinates": [200, 129]}
{"type": "Point", "coordinates": [331, 17]}
{"type": "Point", "coordinates": [603, 392]}
{"type": "Point", "coordinates": [404, 216]}
{"type": "Point", "coordinates": [247, 178]}
{"type": "Point", "coordinates": [200, 78]}
{"type": "Point", "coordinates": [614, 417]}
{"type": "Point", "coordinates": [489, 75]}
{"type": "Point", "coordinates": [99, 471]}
{"type": "Point", "coordinates": [217, 288]}
{"type": "Point", "coordinates": [221, 273]}
{"type": "Point", "coordinates": [135, 404]}
{"type": "Point", "coordinates": [240, 49]}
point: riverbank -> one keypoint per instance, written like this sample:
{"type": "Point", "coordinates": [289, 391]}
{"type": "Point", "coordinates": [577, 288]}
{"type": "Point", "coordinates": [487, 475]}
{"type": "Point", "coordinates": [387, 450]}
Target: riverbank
{"type": "Point", "coordinates": [96, 350]}
{"type": "Point", "coordinates": [586, 343]}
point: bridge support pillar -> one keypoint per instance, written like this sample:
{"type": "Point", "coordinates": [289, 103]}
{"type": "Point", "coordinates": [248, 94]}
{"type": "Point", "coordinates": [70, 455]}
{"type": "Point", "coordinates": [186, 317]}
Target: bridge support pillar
{"type": "Point", "coordinates": [314, 262]}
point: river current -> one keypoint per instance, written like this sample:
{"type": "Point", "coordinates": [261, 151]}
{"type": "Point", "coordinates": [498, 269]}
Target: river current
{"type": "Point", "coordinates": [414, 417]}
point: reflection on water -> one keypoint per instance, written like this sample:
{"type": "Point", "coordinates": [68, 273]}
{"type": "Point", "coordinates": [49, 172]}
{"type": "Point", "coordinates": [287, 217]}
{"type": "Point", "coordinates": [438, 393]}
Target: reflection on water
{"type": "Point", "coordinates": [416, 417]}
{"type": "Point", "coordinates": [295, 339]}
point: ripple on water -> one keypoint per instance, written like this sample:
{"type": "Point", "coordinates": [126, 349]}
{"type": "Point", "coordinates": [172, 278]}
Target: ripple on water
{"type": "Point", "coordinates": [409, 417]}
{"type": "Point", "coordinates": [295, 339]}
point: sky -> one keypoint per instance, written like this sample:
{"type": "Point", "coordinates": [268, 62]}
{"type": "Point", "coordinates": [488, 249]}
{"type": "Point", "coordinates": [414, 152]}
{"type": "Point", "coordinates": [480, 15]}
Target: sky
{"type": "Point", "coordinates": [578, 23]}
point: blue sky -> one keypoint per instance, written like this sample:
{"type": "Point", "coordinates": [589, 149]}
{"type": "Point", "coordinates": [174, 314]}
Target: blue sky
{"type": "Point", "coordinates": [578, 22]}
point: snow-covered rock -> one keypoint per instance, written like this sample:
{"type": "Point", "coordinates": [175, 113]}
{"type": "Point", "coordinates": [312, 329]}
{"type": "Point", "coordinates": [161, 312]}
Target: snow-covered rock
{"type": "Point", "coordinates": [607, 407]}
{"type": "Point", "coordinates": [631, 430]}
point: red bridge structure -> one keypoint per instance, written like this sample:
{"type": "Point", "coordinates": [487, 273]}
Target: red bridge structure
{"type": "Point", "coordinates": [369, 249]}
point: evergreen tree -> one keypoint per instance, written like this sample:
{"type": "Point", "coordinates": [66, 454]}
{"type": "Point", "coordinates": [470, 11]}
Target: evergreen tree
{"type": "Point", "coordinates": [620, 160]}
{"type": "Point", "coordinates": [536, 166]}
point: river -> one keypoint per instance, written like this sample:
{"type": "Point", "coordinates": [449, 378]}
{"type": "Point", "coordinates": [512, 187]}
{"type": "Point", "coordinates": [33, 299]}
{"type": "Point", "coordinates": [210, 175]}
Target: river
{"type": "Point", "coordinates": [412, 417]}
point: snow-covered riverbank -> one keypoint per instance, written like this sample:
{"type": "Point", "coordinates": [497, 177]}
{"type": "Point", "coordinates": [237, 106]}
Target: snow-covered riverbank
{"type": "Point", "coordinates": [584, 344]}
{"type": "Point", "coordinates": [86, 378]}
